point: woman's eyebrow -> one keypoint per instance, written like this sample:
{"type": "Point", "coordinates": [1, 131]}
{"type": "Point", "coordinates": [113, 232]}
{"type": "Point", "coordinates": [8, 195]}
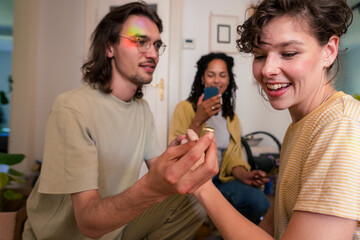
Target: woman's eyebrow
{"type": "Point", "coordinates": [292, 42]}
{"type": "Point", "coordinates": [282, 44]}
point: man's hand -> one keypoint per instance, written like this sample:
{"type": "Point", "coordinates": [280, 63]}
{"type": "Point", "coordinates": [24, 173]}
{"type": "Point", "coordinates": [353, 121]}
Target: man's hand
{"type": "Point", "coordinates": [254, 178]}
{"type": "Point", "coordinates": [177, 140]}
{"type": "Point", "coordinates": [171, 172]}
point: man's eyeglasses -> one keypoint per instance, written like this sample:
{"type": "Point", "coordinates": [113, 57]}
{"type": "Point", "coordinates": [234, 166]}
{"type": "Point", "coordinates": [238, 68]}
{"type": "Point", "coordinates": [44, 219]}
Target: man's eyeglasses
{"type": "Point", "coordinates": [144, 44]}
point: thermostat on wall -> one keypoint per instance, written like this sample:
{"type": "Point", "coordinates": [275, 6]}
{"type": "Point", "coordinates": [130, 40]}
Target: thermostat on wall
{"type": "Point", "coordinates": [189, 43]}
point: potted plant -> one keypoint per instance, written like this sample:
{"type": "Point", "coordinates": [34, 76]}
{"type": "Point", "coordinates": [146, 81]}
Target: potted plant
{"type": "Point", "coordinates": [357, 96]}
{"type": "Point", "coordinates": [12, 200]}
{"type": "Point", "coordinates": [8, 175]}
{"type": "Point", "coordinates": [4, 100]}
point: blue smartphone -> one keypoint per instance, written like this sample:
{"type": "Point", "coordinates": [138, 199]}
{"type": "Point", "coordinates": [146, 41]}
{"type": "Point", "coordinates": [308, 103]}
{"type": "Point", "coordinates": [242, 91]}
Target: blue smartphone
{"type": "Point", "coordinates": [209, 92]}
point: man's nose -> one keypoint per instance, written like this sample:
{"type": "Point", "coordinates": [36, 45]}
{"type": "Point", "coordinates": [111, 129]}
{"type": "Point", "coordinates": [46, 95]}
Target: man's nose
{"type": "Point", "coordinates": [152, 52]}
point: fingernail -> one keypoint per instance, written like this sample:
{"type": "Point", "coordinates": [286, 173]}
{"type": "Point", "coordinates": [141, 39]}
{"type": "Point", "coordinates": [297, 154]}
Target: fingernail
{"type": "Point", "coordinates": [211, 135]}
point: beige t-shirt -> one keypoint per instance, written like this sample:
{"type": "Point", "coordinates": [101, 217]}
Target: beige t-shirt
{"type": "Point", "coordinates": [320, 164]}
{"type": "Point", "coordinates": [93, 141]}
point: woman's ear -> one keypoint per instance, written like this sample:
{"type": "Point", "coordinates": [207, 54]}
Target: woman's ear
{"type": "Point", "coordinates": [331, 50]}
{"type": "Point", "coordinates": [109, 51]}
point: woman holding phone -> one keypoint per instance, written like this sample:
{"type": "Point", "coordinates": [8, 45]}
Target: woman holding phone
{"type": "Point", "coordinates": [238, 184]}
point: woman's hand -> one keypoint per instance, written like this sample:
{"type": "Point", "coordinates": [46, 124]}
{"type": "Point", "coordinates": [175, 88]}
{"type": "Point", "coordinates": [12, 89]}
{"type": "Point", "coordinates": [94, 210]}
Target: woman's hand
{"type": "Point", "coordinates": [254, 178]}
{"type": "Point", "coordinates": [205, 110]}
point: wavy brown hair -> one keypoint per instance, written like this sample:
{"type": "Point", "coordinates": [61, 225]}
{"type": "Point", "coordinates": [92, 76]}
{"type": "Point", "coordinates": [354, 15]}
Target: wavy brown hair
{"type": "Point", "coordinates": [324, 19]}
{"type": "Point", "coordinates": [97, 70]}
{"type": "Point", "coordinates": [197, 87]}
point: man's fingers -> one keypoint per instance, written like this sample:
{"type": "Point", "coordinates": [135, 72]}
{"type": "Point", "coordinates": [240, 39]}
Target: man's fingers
{"type": "Point", "coordinates": [177, 140]}
{"type": "Point", "coordinates": [195, 153]}
{"type": "Point", "coordinates": [179, 174]}
{"type": "Point", "coordinates": [183, 157]}
{"type": "Point", "coordinates": [205, 171]}
{"type": "Point", "coordinates": [177, 151]}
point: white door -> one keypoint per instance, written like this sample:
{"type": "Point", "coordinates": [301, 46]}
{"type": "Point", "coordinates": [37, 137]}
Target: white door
{"type": "Point", "coordinates": [155, 93]}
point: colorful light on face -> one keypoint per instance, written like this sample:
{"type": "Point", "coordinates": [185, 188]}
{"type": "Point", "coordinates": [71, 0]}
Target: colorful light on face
{"type": "Point", "coordinates": [135, 29]}
{"type": "Point", "coordinates": [128, 43]}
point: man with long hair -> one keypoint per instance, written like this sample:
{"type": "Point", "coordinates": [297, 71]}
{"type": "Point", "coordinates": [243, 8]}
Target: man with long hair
{"type": "Point", "coordinates": [97, 138]}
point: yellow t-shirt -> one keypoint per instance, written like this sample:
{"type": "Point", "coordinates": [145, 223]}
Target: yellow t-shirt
{"type": "Point", "coordinates": [320, 164]}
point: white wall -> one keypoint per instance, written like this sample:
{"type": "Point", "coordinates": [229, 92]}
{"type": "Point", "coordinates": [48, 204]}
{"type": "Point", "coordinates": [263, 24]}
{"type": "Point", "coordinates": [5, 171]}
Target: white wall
{"type": "Point", "coordinates": [255, 114]}
{"type": "Point", "coordinates": [49, 41]}
{"type": "Point", "coordinates": [60, 56]}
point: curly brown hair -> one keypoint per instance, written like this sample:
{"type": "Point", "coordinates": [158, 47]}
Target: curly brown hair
{"type": "Point", "coordinates": [324, 19]}
{"type": "Point", "coordinates": [197, 87]}
{"type": "Point", "coordinates": [97, 70]}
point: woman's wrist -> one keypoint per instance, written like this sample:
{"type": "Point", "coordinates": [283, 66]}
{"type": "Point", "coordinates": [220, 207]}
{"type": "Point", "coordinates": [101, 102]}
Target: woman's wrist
{"type": "Point", "coordinates": [239, 172]}
{"type": "Point", "coordinates": [196, 126]}
{"type": "Point", "coordinates": [203, 190]}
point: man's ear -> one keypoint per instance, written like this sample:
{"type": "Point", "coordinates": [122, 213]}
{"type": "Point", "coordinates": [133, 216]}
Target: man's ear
{"type": "Point", "coordinates": [109, 51]}
{"type": "Point", "coordinates": [331, 50]}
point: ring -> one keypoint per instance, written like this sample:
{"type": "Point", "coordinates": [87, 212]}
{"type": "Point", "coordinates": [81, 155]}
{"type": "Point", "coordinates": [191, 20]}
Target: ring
{"type": "Point", "coordinates": [208, 129]}
{"type": "Point", "coordinates": [212, 107]}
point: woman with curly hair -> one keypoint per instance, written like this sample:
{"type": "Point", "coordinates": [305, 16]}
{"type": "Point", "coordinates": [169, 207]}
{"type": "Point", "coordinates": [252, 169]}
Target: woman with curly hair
{"type": "Point", "coordinates": [295, 46]}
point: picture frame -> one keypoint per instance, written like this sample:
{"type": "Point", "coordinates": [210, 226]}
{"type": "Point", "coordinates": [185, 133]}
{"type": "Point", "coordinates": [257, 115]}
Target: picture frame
{"type": "Point", "coordinates": [223, 33]}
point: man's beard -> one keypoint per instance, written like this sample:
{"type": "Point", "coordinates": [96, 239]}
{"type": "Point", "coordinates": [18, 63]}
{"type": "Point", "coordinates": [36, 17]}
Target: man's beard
{"type": "Point", "coordinates": [140, 80]}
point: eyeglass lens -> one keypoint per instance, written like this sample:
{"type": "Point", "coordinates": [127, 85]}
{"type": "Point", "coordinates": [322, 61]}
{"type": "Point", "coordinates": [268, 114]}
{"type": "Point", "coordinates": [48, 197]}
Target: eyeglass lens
{"type": "Point", "coordinates": [145, 44]}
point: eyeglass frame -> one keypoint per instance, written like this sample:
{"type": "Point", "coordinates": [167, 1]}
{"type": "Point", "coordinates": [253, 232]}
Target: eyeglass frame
{"type": "Point", "coordinates": [137, 39]}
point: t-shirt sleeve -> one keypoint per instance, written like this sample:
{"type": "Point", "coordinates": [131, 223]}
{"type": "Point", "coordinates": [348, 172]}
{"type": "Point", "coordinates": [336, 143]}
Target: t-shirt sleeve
{"type": "Point", "coordinates": [70, 161]}
{"type": "Point", "coordinates": [331, 179]}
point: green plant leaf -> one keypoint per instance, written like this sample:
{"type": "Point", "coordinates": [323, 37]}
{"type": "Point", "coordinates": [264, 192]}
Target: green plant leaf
{"type": "Point", "coordinates": [11, 159]}
{"type": "Point", "coordinates": [12, 195]}
{"type": "Point", "coordinates": [16, 179]}
{"type": "Point", "coordinates": [15, 173]}
{"type": "Point", "coordinates": [4, 180]}
{"type": "Point", "coordinates": [3, 99]}
{"type": "Point", "coordinates": [357, 96]}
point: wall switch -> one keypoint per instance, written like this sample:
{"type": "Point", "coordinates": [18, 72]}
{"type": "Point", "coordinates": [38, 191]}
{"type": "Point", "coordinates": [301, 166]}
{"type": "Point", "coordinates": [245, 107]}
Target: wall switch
{"type": "Point", "coordinates": [189, 43]}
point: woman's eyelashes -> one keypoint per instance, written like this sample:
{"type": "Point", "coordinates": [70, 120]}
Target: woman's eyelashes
{"type": "Point", "coordinates": [221, 75]}
{"type": "Point", "coordinates": [260, 57]}
{"type": "Point", "coordinates": [289, 54]}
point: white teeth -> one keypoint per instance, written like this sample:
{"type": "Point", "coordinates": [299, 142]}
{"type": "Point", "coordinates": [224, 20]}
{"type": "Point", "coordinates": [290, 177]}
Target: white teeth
{"type": "Point", "coordinates": [277, 86]}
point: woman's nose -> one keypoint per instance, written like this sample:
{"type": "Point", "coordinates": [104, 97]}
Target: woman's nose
{"type": "Point", "coordinates": [271, 66]}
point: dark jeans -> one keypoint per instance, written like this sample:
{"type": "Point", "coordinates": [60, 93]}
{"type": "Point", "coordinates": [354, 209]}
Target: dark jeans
{"type": "Point", "coordinates": [250, 201]}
